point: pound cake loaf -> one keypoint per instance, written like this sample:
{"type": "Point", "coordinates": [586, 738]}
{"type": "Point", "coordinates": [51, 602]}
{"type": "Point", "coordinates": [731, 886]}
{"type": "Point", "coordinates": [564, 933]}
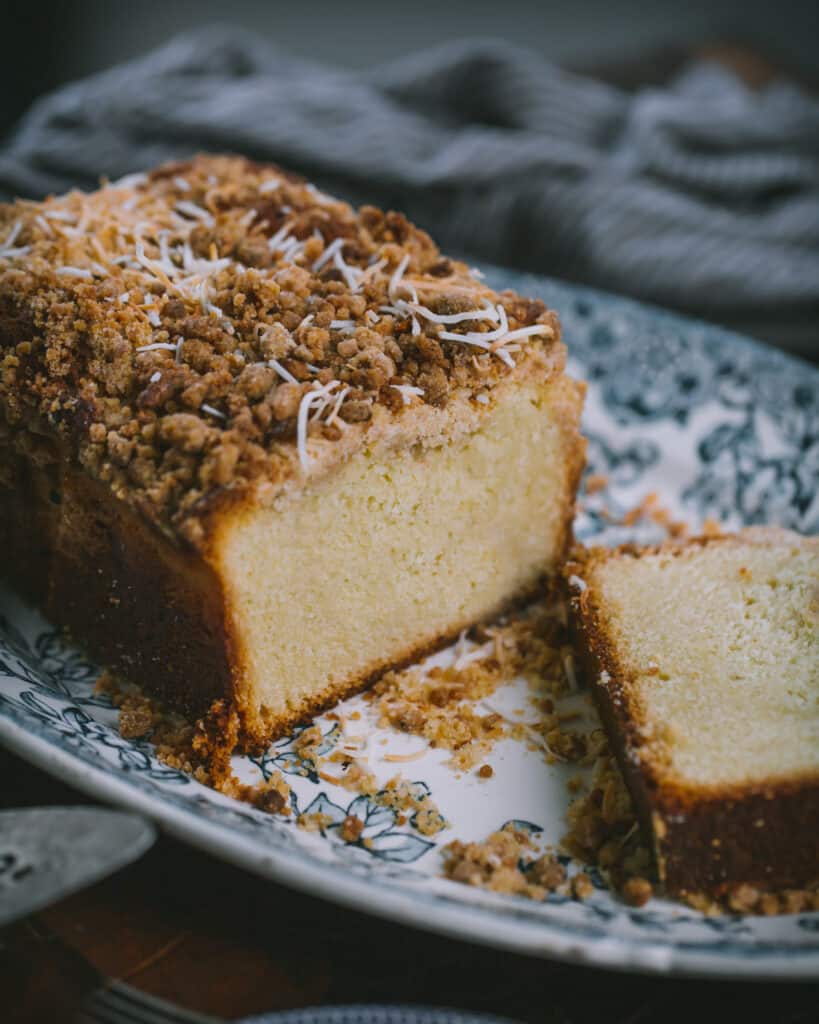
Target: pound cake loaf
{"type": "Point", "coordinates": [257, 446]}
{"type": "Point", "coordinates": [704, 660]}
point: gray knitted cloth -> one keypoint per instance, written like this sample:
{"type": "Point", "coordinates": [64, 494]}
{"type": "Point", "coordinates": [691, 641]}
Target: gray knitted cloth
{"type": "Point", "coordinates": [703, 196]}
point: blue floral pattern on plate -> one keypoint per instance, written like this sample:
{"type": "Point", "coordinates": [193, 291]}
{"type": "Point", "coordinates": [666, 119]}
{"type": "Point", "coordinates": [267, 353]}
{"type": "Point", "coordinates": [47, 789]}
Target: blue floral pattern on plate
{"type": "Point", "coordinates": [716, 425]}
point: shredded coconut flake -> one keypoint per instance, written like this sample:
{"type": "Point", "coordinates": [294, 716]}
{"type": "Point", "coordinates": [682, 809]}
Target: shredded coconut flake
{"type": "Point", "coordinates": [213, 412]}
{"type": "Point", "coordinates": [129, 181]}
{"type": "Point", "coordinates": [333, 417]}
{"type": "Point", "coordinates": [318, 396]}
{"type": "Point", "coordinates": [319, 196]}
{"type": "Point", "coordinates": [485, 337]}
{"type": "Point", "coordinates": [275, 241]}
{"type": "Point", "coordinates": [351, 275]}
{"type": "Point", "coordinates": [190, 209]}
{"type": "Point", "coordinates": [405, 758]}
{"type": "Point", "coordinates": [477, 654]}
{"type": "Point", "coordinates": [407, 390]}
{"type": "Point", "coordinates": [488, 312]}
{"type": "Point", "coordinates": [12, 235]}
{"type": "Point", "coordinates": [282, 372]}
{"type": "Point", "coordinates": [158, 346]}
{"type": "Point", "coordinates": [79, 272]}
{"type": "Point", "coordinates": [567, 658]}
{"type": "Point", "coordinates": [397, 274]}
{"type": "Point", "coordinates": [62, 215]}
{"type": "Point", "coordinates": [328, 254]}
{"type": "Point", "coordinates": [524, 332]}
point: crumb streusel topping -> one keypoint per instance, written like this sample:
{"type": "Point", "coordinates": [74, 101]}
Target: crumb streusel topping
{"type": "Point", "coordinates": [217, 321]}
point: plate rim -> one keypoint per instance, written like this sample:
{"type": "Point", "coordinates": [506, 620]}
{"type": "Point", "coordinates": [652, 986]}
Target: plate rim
{"type": "Point", "coordinates": [542, 939]}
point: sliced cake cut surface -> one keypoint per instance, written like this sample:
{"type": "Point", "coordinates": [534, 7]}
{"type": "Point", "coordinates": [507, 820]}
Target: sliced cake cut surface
{"type": "Point", "coordinates": [257, 446]}
{"type": "Point", "coordinates": [704, 660]}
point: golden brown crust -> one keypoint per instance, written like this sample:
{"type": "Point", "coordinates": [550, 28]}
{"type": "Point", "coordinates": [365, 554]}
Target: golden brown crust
{"type": "Point", "coordinates": [138, 604]}
{"type": "Point", "coordinates": [569, 412]}
{"type": "Point", "coordinates": [169, 330]}
{"type": "Point", "coordinates": [703, 839]}
{"type": "Point", "coordinates": [28, 523]}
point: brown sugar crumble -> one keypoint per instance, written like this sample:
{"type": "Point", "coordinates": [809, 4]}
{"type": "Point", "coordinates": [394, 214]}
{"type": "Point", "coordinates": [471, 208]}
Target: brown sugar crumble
{"type": "Point", "coordinates": [191, 329]}
{"type": "Point", "coordinates": [500, 864]}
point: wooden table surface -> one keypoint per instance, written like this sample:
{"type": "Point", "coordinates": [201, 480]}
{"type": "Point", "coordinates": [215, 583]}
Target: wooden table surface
{"type": "Point", "coordinates": [205, 935]}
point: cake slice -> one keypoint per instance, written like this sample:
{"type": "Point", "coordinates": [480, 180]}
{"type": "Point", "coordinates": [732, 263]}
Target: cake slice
{"type": "Point", "coordinates": [704, 661]}
{"type": "Point", "coordinates": [256, 446]}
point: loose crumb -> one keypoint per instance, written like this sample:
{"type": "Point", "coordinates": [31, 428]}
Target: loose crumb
{"type": "Point", "coordinates": [637, 891]}
{"type": "Point", "coordinates": [351, 829]}
{"type": "Point", "coordinates": [500, 864]}
{"type": "Point", "coordinates": [582, 887]}
{"type": "Point", "coordinates": [649, 508]}
{"type": "Point", "coordinates": [442, 705]}
{"type": "Point", "coordinates": [596, 482]}
{"type": "Point", "coordinates": [711, 528]}
{"type": "Point", "coordinates": [315, 822]}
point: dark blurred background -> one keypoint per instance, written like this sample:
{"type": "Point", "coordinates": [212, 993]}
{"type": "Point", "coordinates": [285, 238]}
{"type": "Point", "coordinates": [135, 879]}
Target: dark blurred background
{"type": "Point", "coordinates": [701, 196]}
{"type": "Point", "coordinates": [46, 43]}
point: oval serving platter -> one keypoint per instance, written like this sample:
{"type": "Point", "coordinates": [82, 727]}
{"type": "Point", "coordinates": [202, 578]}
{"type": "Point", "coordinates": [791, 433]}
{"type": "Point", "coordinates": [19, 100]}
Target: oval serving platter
{"type": "Point", "coordinates": [717, 426]}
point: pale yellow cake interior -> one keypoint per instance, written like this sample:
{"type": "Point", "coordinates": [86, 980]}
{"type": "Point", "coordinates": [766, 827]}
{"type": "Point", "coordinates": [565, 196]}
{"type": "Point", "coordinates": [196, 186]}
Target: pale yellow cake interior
{"type": "Point", "coordinates": [725, 641]}
{"type": "Point", "coordinates": [391, 552]}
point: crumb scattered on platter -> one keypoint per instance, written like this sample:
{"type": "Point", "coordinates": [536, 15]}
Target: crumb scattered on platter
{"type": "Point", "coordinates": [450, 707]}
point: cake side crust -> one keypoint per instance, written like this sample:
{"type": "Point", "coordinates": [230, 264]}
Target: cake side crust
{"type": "Point", "coordinates": [704, 839]}
{"type": "Point", "coordinates": [138, 604]}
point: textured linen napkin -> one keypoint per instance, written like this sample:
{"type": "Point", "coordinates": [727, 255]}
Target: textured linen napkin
{"type": "Point", "coordinates": [703, 196]}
